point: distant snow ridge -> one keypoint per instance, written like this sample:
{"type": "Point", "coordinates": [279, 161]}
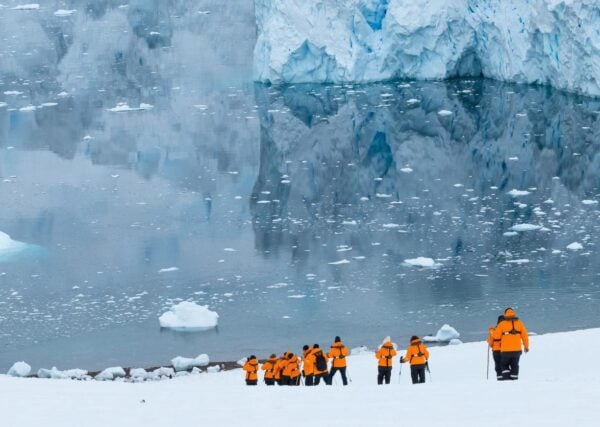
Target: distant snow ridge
{"type": "Point", "coordinates": [446, 334]}
{"type": "Point", "coordinates": [189, 316]}
{"type": "Point", "coordinates": [544, 41]}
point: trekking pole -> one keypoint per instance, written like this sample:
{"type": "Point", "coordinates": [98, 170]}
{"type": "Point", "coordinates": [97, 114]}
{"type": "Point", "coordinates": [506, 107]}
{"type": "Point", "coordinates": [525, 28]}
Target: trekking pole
{"type": "Point", "coordinates": [428, 371]}
{"type": "Point", "coordinates": [400, 371]}
{"type": "Point", "coordinates": [487, 371]}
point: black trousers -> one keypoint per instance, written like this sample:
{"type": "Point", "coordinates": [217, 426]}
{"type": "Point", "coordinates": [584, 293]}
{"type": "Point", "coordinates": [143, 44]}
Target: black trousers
{"type": "Point", "coordinates": [342, 372]}
{"type": "Point", "coordinates": [417, 374]}
{"type": "Point", "coordinates": [510, 365]}
{"type": "Point", "coordinates": [269, 381]}
{"type": "Point", "coordinates": [325, 377]}
{"type": "Point", "coordinates": [384, 374]}
{"type": "Point", "coordinates": [294, 381]}
{"type": "Point", "coordinates": [284, 380]}
{"type": "Point", "coordinates": [498, 364]}
{"type": "Point", "coordinates": [309, 380]}
{"type": "Point", "coordinates": [251, 382]}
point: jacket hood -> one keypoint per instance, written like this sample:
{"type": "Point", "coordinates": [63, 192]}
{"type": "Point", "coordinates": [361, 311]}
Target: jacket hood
{"type": "Point", "coordinates": [416, 341]}
{"type": "Point", "coordinates": [337, 345]}
{"type": "Point", "coordinates": [387, 344]}
{"type": "Point", "coordinates": [252, 362]}
{"type": "Point", "coordinates": [510, 313]}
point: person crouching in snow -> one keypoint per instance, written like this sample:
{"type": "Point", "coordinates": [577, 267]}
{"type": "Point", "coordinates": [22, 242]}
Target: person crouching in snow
{"type": "Point", "coordinates": [338, 353]}
{"type": "Point", "coordinates": [418, 355]}
{"type": "Point", "coordinates": [385, 354]}
{"type": "Point", "coordinates": [251, 368]}
{"type": "Point", "coordinates": [269, 368]}
{"type": "Point", "coordinates": [512, 333]}
{"type": "Point", "coordinates": [292, 370]}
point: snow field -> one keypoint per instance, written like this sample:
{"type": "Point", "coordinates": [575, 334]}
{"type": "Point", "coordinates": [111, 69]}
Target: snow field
{"type": "Point", "coordinates": [552, 391]}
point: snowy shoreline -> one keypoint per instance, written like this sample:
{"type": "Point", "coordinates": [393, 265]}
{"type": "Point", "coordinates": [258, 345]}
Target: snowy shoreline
{"type": "Point", "coordinates": [548, 393]}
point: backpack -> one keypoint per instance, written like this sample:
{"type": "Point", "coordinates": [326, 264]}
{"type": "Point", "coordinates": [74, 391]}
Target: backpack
{"type": "Point", "coordinates": [320, 362]}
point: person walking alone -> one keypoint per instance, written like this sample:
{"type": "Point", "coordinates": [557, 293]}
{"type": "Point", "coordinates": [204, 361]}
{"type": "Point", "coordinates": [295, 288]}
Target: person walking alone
{"type": "Point", "coordinates": [338, 353]}
{"type": "Point", "coordinates": [514, 339]}
{"type": "Point", "coordinates": [418, 355]}
{"type": "Point", "coordinates": [251, 368]}
{"type": "Point", "coordinates": [385, 354]}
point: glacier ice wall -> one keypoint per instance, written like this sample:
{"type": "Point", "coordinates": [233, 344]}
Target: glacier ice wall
{"type": "Point", "coordinates": [553, 42]}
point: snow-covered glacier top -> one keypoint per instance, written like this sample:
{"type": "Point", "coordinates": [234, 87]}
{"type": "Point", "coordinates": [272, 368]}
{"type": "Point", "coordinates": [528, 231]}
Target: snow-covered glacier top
{"type": "Point", "coordinates": [555, 42]}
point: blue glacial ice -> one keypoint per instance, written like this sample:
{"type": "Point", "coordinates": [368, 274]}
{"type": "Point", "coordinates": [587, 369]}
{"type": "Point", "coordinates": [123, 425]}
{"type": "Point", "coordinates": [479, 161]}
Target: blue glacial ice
{"type": "Point", "coordinates": [554, 42]}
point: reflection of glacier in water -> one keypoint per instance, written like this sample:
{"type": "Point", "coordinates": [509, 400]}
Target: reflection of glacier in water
{"type": "Point", "coordinates": [290, 211]}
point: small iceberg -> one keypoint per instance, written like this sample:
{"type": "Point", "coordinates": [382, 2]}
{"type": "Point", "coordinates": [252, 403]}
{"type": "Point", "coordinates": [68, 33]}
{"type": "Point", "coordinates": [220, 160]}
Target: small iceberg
{"type": "Point", "coordinates": [189, 316]}
{"type": "Point", "coordinates": [446, 334]}
{"type": "Point", "coordinates": [19, 369]}
{"type": "Point", "coordinates": [423, 262]}
{"type": "Point", "coordinates": [9, 246]}
{"type": "Point", "coordinates": [185, 363]}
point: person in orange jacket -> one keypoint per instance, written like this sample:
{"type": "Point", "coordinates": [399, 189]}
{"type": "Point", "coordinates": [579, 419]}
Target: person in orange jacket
{"type": "Point", "coordinates": [251, 368]}
{"type": "Point", "coordinates": [418, 355]}
{"type": "Point", "coordinates": [514, 339]}
{"type": "Point", "coordinates": [292, 370]}
{"type": "Point", "coordinates": [269, 368]}
{"type": "Point", "coordinates": [320, 361]}
{"type": "Point", "coordinates": [308, 366]}
{"type": "Point", "coordinates": [385, 355]}
{"type": "Point", "coordinates": [280, 378]}
{"type": "Point", "coordinates": [338, 353]}
{"type": "Point", "coordinates": [495, 347]}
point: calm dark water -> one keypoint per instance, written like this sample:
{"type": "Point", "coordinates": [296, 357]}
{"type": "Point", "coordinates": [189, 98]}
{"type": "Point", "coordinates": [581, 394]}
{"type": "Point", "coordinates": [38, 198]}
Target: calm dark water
{"type": "Point", "coordinates": [290, 211]}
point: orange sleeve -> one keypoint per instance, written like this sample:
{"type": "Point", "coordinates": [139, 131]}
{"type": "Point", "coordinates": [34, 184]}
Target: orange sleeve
{"type": "Point", "coordinates": [345, 351]}
{"type": "Point", "coordinates": [525, 336]}
{"type": "Point", "coordinates": [378, 354]}
{"type": "Point", "coordinates": [426, 353]}
{"type": "Point", "coordinates": [408, 355]}
{"type": "Point", "coordinates": [393, 352]}
{"type": "Point", "coordinates": [497, 335]}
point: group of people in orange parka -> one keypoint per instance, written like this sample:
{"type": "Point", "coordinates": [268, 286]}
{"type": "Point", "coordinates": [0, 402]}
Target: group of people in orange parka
{"type": "Point", "coordinates": [313, 365]}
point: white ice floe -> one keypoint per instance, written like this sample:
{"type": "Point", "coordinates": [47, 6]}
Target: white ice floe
{"type": "Point", "coordinates": [406, 170]}
{"type": "Point", "coordinates": [340, 262]}
{"type": "Point", "coordinates": [28, 109]}
{"type": "Point", "coordinates": [445, 334]}
{"type": "Point", "coordinates": [19, 369]}
{"type": "Point", "coordinates": [168, 269]}
{"type": "Point", "coordinates": [518, 193]}
{"type": "Point", "coordinates": [575, 246]}
{"type": "Point", "coordinates": [518, 261]}
{"type": "Point", "coordinates": [29, 6]}
{"type": "Point", "coordinates": [525, 227]}
{"type": "Point", "coordinates": [420, 262]}
{"type": "Point", "coordinates": [589, 202]}
{"type": "Point", "coordinates": [189, 316]}
{"type": "Point", "coordinates": [110, 374]}
{"type": "Point", "coordinates": [445, 113]}
{"type": "Point", "coordinates": [185, 363]}
{"type": "Point", "coordinates": [64, 12]}
{"type": "Point", "coordinates": [123, 107]}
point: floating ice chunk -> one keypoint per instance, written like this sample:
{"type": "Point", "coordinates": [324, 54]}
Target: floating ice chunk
{"type": "Point", "coordinates": [340, 262]}
{"type": "Point", "coordinates": [3, 104]}
{"type": "Point", "coordinates": [145, 107]}
{"type": "Point", "coordinates": [138, 374]}
{"type": "Point", "coordinates": [421, 262]}
{"type": "Point", "coordinates": [412, 101]}
{"type": "Point", "coordinates": [64, 12]}
{"type": "Point", "coordinates": [446, 334]}
{"type": "Point", "coordinates": [589, 202]}
{"type": "Point", "coordinates": [518, 261]}
{"type": "Point", "coordinates": [297, 296]}
{"type": "Point", "coordinates": [445, 113]}
{"type": "Point", "coordinates": [575, 246]}
{"type": "Point", "coordinates": [213, 369]}
{"type": "Point", "coordinates": [406, 170]}
{"type": "Point", "coordinates": [185, 363]}
{"type": "Point", "coordinates": [353, 222]}
{"type": "Point", "coordinates": [518, 193]}
{"type": "Point", "coordinates": [19, 369]}
{"type": "Point", "coordinates": [525, 227]}
{"type": "Point", "coordinates": [168, 269]}
{"type": "Point", "coordinates": [383, 196]}
{"type": "Point", "coordinates": [122, 107]}
{"type": "Point", "coordinates": [278, 285]}
{"type": "Point", "coordinates": [30, 6]}
{"type": "Point", "coordinates": [28, 109]}
{"type": "Point", "coordinates": [455, 341]}
{"type": "Point", "coordinates": [510, 234]}
{"type": "Point", "coordinates": [110, 374]}
{"type": "Point", "coordinates": [9, 246]}
{"type": "Point", "coordinates": [189, 316]}
{"type": "Point", "coordinates": [12, 93]}
{"type": "Point", "coordinates": [391, 225]}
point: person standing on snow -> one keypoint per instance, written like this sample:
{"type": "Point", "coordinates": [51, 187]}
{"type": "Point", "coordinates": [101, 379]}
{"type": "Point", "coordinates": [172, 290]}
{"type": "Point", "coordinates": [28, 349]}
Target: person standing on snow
{"type": "Point", "coordinates": [418, 355]}
{"type": "Point", "coordinates": [514, 339]}
{"type": "Point", "coordinates": [495, 347]}
{"type": "Point", "coordinates": [251, 368]}
{"type": "Point", "coordinates": [320, 365]}
{"type": "Point", "coordinates": [269, 368]}
{"type": "Point", "coordinates": [292, 370]}
{"type": "Point", "coordinates": [385, 354]}
{"type": "Point", "coordinates": [338, 353]}
{"type": "Point", "coordinates": [308, 366]}
{"type": "Point", "coordinates": [279, 369]}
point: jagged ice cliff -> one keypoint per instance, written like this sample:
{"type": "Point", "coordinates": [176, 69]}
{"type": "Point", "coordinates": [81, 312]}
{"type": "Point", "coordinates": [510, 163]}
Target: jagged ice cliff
{"type": "Point", "coordinates": [554, 42]}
